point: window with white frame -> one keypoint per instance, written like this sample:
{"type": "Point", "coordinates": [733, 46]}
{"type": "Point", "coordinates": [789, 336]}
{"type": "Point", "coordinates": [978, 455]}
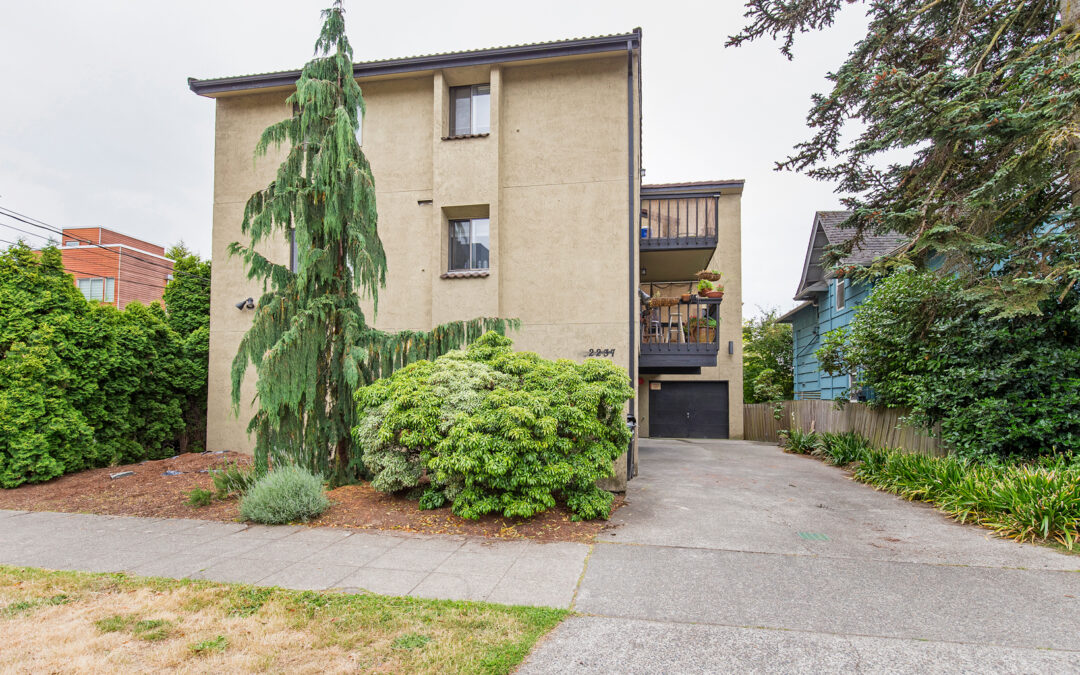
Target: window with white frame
{"type": "Point", "coordinates": [470, 242]}
{"type": "Point", "coordinates": [470, 110]}
{"type": "Point", "coordinates": [841, 285]}
{"type": "Point", "coordinates": [101, 289]}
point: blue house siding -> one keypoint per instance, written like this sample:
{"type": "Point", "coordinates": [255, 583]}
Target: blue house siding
{"type": "Point", "coordinates": [809, 326]}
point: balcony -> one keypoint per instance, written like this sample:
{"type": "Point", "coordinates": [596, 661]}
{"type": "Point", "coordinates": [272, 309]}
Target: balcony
{"type": "Point", "coordinates": [679, 230]}
{"type": "Point", "coordinates": [678, 336]}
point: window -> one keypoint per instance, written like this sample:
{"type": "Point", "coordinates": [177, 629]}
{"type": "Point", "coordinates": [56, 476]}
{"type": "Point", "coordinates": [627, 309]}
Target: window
{"type": "Point", "coordinates": [470, 110]}
{"type": "Point", "coordinates": [97, 289]}
{"type": "Point", "coordinates": [71, 242]}
{"type": "Point", "coordinates": [469, 244]}
{"type": "Point", "coordinates": [841, 284]}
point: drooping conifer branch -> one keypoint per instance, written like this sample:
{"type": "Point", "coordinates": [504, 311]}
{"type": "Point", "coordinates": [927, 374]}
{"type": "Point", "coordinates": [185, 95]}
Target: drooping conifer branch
{"type": "Point", "coordinates": [309, 342]}
{"type": "Point", "coordinates": [980, 100]}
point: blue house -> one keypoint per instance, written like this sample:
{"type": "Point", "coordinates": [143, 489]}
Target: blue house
{"type": "Point", "coordinates": [828, 301]}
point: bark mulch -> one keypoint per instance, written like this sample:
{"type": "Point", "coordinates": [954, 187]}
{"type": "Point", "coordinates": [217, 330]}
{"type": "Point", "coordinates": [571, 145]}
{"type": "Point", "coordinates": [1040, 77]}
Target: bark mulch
{"type": "Point", "coordinates": [150, 493]}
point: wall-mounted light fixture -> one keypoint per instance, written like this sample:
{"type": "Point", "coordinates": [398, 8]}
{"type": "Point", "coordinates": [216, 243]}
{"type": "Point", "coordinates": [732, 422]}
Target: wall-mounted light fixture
{"type": "Point", "coordinates": [246, 304]}
{"type": "Point", "coordinates": [731, 347]}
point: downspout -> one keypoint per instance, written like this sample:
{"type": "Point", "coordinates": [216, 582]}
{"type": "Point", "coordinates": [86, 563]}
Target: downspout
{"type": "Point", "coordinates": [119, 265]}
{"type": "Point", "coordinates": [632, 271]}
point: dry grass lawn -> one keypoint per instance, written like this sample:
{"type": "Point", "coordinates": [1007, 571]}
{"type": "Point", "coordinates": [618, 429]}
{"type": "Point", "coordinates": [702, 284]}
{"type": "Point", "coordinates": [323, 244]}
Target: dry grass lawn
{"type": "Point", "coordinates": [71, 622]}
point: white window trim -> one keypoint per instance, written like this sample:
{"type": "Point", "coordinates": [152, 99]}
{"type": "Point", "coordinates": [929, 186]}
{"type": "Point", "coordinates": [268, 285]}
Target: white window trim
{"type": "Point", "coordinates": [841, 298]}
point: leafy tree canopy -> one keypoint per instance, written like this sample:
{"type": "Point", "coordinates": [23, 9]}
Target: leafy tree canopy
{"type": "Point", "coordinates": [983, 96]}
{"type": "Point", "coordinates": [767, 360]}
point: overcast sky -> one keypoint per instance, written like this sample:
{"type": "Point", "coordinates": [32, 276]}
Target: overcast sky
{"type": "Point", "coordinates": [99, 128]}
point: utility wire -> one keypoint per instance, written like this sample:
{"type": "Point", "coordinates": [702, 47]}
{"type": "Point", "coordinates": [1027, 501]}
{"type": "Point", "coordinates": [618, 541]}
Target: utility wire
{"type": "Point", "coordinates": [95, 275]}
{"type": "Point", "coordinates": [40, 224]}
{"type": "Point", "coordinates": [32, 234]}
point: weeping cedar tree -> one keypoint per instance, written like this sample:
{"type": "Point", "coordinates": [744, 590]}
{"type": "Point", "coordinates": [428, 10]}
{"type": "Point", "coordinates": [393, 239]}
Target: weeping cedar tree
{"type": "Point", "coordinates": [309, 342]}
{"type": "Point", "coordinates": [983, 96]}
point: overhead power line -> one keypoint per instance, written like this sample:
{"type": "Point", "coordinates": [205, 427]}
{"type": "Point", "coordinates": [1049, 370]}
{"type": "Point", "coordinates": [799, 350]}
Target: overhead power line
{"type": "Point", "coordinates": [40, 224]}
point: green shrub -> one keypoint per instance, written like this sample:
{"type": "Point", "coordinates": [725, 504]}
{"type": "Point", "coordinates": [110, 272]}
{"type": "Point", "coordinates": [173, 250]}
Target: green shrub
{"type": "Point", "coordinates": [83, 384]}
{"type": "Point", "coordinates": [233, 479]}
{"type": "Point", "coordinates": [841, 449]}
{"type": "Point", "coordinates": [998, 386]}
{"type": "Point", "coordinates": [497, 431]}
{"type": "Point", "coordinates": [200, 497]}
{"type": "Point", "coordinates": [284, 495]}
{"type": "Point", "coordinates": [800, 442]}
{"type": "Point", "coordinates": [1017, 499]}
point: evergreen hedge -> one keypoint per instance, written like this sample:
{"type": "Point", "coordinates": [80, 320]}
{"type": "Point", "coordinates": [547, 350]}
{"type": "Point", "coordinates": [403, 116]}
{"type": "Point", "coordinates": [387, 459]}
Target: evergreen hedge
{"type": "Point", "coordinates": [83, 384]}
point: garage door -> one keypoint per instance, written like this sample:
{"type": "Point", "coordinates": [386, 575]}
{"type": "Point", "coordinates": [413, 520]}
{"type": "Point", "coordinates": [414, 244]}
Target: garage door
{"type": "Point", "coordinates": [688, 409]}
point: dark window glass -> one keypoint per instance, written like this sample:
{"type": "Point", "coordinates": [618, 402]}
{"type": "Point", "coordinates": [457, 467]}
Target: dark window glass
{"type": "Point", "coordinates": [470, 244]}
{"type": "Point", "coordinates": [470, 110]}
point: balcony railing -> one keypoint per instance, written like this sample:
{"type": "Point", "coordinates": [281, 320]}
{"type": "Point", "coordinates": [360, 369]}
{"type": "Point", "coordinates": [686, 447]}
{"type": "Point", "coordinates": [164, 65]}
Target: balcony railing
{"type": "Point", "coordinates": [678, 222]}
{"type": "Point", "coordinates": [677, 333]}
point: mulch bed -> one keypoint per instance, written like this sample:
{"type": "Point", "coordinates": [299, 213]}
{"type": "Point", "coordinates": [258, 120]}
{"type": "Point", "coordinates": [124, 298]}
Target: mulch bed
{"type": "Point", "coordinates": [150, 493]}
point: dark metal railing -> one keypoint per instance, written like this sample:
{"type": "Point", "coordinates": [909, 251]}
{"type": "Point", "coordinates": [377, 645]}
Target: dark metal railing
{"type": "Point", "coordinates": [671, 322]}
{"type": "Point", "coordinates": [679, 222]}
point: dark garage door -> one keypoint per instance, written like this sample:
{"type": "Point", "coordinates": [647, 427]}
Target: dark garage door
{"type": "Point", "coordinates": [688, 410]}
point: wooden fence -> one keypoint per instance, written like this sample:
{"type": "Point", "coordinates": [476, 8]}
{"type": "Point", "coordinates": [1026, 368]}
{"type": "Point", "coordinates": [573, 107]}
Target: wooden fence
{"type": "Point", "coordinates": [883, 427]}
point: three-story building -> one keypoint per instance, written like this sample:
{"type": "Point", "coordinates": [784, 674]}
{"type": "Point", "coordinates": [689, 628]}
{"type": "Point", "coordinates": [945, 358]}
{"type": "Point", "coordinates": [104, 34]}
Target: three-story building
{"type": "Point", "coordinates": [508, 184]}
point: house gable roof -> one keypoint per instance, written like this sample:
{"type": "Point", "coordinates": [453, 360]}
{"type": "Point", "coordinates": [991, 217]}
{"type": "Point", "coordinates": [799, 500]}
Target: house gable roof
{"type": "Point", "coordinates": [827, 231]}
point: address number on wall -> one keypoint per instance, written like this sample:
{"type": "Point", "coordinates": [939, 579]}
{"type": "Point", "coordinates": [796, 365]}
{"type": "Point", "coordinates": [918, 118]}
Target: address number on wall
{"type": "Point", "coordinates": [601, 352]}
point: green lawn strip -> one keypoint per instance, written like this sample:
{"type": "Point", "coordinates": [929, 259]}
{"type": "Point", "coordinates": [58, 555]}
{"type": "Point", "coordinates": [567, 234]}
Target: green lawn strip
{"type": "Point", "coordinates": [415, 634]}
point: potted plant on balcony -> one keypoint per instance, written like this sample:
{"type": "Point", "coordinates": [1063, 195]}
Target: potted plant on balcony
{"type": "Point", "coordinates": [709, 275]}
{"type": "Point", "coordinates": [703, 287]}
{"type": "Point", "coordinates": [716, 292]}
{"type": "Point", "coordinates": [701, 329]}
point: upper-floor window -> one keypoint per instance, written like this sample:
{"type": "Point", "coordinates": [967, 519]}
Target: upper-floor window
{"type": "Point", "coordinates": [71, 242]}
{"type": "Point", "coordinates": [97, 289]}
{"type": "Point", "coordinates": [841, 284]}
{"type": "Point", "coordinates": [470, 244]}
{"type": "Point", "coordinates": [470, 110]}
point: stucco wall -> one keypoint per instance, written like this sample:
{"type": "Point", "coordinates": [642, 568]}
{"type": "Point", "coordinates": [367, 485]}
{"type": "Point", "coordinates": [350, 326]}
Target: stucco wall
{"type": "Point", "coordinates": [551, 176]}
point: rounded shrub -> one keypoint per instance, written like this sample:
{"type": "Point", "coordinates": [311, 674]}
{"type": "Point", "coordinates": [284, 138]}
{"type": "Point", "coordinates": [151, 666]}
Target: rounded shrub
{"type": "Point", "coordinates": [491, 430]}
{"type": "Point", "coordinates": [284, 495]}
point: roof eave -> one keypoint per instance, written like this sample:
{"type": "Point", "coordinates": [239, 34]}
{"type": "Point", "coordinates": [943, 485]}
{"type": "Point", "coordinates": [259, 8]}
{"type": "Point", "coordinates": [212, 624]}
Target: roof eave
{"type": "Point", "coordinates": [694, 189]}
{"type": "Point", "coordinates": [544, 50]}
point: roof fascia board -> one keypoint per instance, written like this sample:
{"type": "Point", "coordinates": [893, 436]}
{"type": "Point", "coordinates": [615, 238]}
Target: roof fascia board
{"type": "Point", "coordinates": [809, 253]}
{"type": "Point", "coordinates": [705, 190]}
{"type": "Point", "coordinates": [546, 50]}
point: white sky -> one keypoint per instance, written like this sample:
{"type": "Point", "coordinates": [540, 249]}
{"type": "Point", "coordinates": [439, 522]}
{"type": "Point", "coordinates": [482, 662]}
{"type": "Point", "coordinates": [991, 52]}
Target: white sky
{"type": "Point", "coordinates": [98, 126]}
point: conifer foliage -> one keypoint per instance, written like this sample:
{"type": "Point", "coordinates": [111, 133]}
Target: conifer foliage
{"type": "Point", "coordinates": [983, 96]}
{"type": "Point", "coordinates": [309, 341]}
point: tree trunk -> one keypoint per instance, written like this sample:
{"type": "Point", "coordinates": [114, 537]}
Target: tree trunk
{"type": "Point", "coordinates": [1070, 21]}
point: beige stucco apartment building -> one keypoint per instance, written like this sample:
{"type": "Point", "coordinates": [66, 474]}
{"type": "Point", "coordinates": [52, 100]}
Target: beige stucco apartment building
{"type": "Point", "coordinates": [508, 185]}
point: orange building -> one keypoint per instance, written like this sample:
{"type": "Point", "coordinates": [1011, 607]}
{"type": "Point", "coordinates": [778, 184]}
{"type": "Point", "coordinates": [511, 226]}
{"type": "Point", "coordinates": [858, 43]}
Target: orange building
{"type": "Point", "coordinates": [114, 268]}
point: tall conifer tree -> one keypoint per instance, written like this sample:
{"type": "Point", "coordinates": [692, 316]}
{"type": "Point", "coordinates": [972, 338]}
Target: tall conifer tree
{"type": "Point", "coordinates": [309, 341]}
{"type": "Point", "coordinates": [984, 97]}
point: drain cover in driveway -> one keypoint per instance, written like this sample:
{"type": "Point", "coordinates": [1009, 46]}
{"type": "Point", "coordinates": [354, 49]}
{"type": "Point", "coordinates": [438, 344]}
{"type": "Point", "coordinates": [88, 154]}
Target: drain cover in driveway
{"type": "Point", "coordinates": [813, 536]}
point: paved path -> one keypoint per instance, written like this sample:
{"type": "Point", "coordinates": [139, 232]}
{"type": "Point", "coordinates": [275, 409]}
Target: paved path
{"type": "Point", "coordinates": [453, 567]}
{"type": "Point", "coordinates": [733, 556]}
{"type": "Point", "coordinates": [730, 557]}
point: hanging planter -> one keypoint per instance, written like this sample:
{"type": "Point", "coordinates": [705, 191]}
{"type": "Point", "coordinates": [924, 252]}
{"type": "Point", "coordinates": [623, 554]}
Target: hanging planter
{"type": "Point", "coordinates": [709, 275]}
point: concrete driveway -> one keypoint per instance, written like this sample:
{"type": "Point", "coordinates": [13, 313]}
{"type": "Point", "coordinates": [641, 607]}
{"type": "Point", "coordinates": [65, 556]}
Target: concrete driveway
{"type": "Point", "coordinates": [732, 556]}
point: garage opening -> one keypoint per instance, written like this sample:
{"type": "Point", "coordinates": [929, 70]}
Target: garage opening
{"type": "Point", "coordinates": [688, 409]}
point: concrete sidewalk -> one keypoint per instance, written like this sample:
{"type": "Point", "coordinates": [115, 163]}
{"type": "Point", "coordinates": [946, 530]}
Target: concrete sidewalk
{"type": "Point", "coordinates": [735, 557]}
{"type": "Point", "coordinates": [450, 567]}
